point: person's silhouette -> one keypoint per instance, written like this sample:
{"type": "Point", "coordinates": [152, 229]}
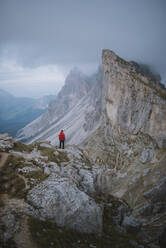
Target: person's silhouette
{"type": "Point", "coordinates": [62, 139]}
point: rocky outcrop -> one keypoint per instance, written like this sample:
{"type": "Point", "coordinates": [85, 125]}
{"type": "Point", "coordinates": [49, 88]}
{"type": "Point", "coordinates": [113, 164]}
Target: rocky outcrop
{"type": "Point", "coordinates": [48, 195]}
{"type": "Point", "coordinates": [6, 142]}
{"type": "Point", "coordinates": [61, 201]}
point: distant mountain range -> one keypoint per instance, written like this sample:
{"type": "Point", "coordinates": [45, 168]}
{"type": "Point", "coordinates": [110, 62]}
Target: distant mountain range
{"type": "Point", "coordinates": [76, 110]}
{"type": "Point", "coordinates": [16, 112]}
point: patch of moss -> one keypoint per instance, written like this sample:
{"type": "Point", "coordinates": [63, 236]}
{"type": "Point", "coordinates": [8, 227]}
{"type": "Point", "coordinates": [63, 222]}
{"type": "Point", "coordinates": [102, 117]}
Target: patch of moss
{"type": "Point", "coordinates": [116, 237]}
{"type": "Point", "coordinates": [37, 175]}
{"type": "Point", "coordinates": [63, 157]}
{"type": "Point", "coordinates": [10, 182]}
{"type": "Point", "coordinates": [49, 152]}
{"type": "Point", "coordinates": [48, 234]}
{"type": "Point", "coordinates": [21, 147]}
{"type": "Point", "coordinates": [122, 61]}
{"type": "Point", "coordinates": [10, 243]}
{"type": "Point", "coordinates": [1, 203]}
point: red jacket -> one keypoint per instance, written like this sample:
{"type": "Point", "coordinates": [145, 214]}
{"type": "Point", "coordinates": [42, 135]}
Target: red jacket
{"type": "Point", "coordinates": [61, 136]}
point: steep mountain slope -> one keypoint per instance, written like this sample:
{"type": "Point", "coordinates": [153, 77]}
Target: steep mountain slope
{"type": "Point", "coordinates": [16, 112]}
{"type": "Point", "coordinates": [130, 145]}
{"type": "Point", "coordinates": [76, 110]}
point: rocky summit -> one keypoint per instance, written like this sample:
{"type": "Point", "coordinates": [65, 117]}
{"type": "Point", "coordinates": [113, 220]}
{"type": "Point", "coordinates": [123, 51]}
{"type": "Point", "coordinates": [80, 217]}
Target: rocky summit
{"type": "Point", "coordinates": [108, 192]}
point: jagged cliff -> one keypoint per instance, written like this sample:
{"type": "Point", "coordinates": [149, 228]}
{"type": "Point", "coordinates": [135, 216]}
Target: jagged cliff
{"type": "Point", "coordinates": [130, 145]}
{"type": "Point", "coordinates": [133, 103]}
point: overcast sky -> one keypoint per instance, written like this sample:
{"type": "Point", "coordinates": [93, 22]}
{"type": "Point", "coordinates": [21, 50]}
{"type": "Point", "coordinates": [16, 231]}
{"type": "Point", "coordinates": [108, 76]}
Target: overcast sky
{"type": "Point", "coordinates": [41, 40]}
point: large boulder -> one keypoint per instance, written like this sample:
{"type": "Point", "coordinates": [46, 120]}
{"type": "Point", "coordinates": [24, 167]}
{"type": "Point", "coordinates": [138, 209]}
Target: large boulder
{"type": "Point", "coordinates": [6, 142]}
{"type": "Point", "coordinates": [9, 225]}
{"type": "Point", "coordinates": [59, 200]}
{"type": "Point", "coordinates": [131, 224]}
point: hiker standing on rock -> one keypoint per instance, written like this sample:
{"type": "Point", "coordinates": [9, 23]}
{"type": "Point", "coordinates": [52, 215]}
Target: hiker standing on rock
{"type": "Point", "coordinates": [61, 139]}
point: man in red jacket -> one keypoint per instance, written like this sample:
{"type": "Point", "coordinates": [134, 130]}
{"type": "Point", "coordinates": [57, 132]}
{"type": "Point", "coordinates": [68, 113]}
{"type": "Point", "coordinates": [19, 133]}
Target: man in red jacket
{"type": "Point", "coordinates": [61, 139]}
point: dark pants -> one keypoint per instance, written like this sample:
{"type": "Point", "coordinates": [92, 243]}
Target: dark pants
{"type": "Point", "coordinates": [61, 142]}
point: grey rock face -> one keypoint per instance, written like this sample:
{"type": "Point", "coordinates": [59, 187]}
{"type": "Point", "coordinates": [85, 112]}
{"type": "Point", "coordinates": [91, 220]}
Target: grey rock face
{"type": "Point", "coordinates": [147, 155]}
{"type": "Point", "coordinates": [6, 142]}
{"type": "Point", "coordinates": [131, 224]}
{"type": "Point", "coordinates": [157, 193]}
{"type": "Point", "coordinates": [146, 171]}
{"type": "Point", "coordinates": [130, 143]}
{"type": "Point", "coordinates": [162, 239]}
{"type": "Point", "coordinates": [9, 223]}
{"type": "Point", "coordinates": [61, 201]}
{"type": "Point", "coordinates": [131, 102]}
{"type": "Point", "coordinates": [87, 181]}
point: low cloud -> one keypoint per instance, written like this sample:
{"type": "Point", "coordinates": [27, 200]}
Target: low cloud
{"type": "Point", "coordinates": [40, 35]}
{"type": "Point", "coordinates": [32, 82]}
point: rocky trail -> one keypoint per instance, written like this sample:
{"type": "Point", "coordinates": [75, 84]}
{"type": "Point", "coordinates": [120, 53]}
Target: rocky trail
{"type": "Point", "coordinates": [24, 239]}
{"type": "Point", "coordinates": [3, 158]}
